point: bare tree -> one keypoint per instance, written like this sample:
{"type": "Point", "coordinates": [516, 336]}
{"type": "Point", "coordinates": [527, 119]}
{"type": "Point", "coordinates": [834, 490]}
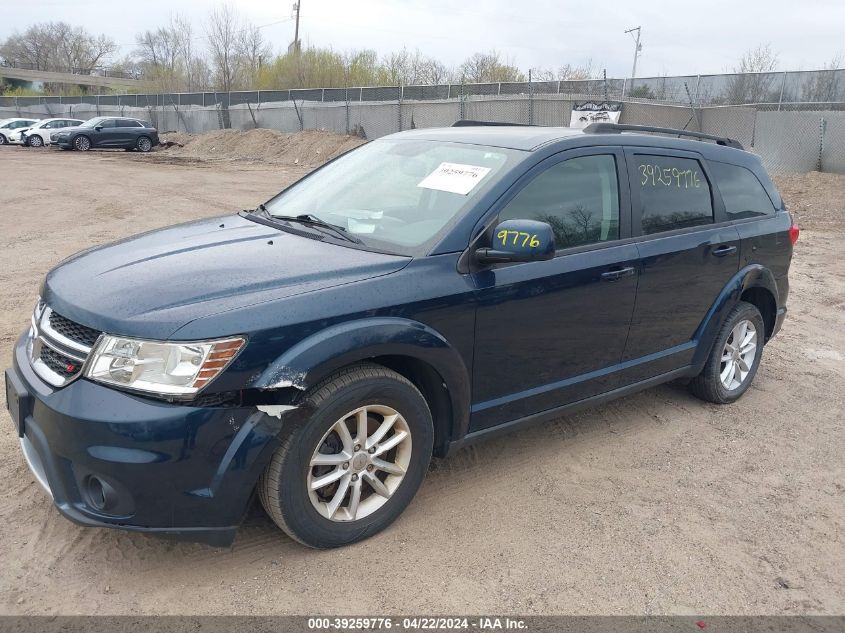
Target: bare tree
{"type": "Point", "coordinates": [58, 46]}
{"type": "Point", "coordinates": [753, 80]}
{"type": "Point", "coordinates": [824, 86]}
{"type": "Point", "coordinates": [251, 49]}
{"type": "Point", "coordinates": [571, 72]}
{"type": "Point", "coordinates": [489, 67]}
{"type": "Point", "coordinates": [223, 35]}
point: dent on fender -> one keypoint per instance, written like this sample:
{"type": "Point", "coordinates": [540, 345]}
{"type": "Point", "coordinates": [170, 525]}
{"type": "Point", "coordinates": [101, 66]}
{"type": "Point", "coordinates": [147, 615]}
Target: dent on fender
{"type": "Point", "coordinates": [284, 377]}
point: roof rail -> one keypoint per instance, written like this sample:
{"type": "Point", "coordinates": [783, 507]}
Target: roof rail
{"type": "Point", "coordinates": [470, 123]}
{"type": "Point", "coordinates": [618, 128]}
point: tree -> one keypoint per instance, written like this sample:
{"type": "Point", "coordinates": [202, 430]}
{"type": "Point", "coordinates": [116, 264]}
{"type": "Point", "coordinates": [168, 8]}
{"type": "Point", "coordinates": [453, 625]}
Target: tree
{"type": "Point", "coordinates": [641, 92]}
{"type": "Point", "coordinates": [824, 85]}
{"type": "Point", "coordinates": [251, 50]}
{"type": "Point", "coordinates": [167, 59]}
{"type": "Point", "coordinates": [223, 34]}
{"type": "Point", "coordinates": [489, 68]}
{"type": "Point", "coordinates": [58, 46]}
{"type": "Point", "coordinates": [412, 69]}
{"type": "Point", "coordinates": [753, 80]}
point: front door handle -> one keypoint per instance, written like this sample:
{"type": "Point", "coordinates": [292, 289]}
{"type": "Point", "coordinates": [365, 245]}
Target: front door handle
{"type": "Point", "coordinates": [617, 273]}
{"type": "Point", "coordinates": [723, 250]}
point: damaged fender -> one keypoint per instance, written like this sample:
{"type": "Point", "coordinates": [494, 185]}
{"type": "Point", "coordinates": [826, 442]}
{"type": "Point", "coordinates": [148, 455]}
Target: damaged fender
{"type": "Point", "coordinates": [312, 359]}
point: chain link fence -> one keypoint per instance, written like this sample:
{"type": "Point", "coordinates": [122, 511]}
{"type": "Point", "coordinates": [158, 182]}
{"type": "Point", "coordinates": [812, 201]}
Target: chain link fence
{"type": "Point", "coordinates": [790, 136]}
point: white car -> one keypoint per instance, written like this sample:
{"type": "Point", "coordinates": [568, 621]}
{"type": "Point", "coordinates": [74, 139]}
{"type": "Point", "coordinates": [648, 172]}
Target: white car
{"type": "Point", "coordinates": [9, 126]}
{"type": "Point", "coordinates": [39, 134]}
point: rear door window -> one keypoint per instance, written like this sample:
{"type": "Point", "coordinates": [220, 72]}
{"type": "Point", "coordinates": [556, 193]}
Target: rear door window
{"type": "Point", "coordinates": [742, 193]}
{"type": "Point", "coordinates": [128, 123]}
{"type": "Point", "coordinates": [673, 192]}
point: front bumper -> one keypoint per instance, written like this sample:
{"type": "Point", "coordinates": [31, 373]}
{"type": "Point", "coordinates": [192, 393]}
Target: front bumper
{"type": "Point", "coordinates": [113, 459]}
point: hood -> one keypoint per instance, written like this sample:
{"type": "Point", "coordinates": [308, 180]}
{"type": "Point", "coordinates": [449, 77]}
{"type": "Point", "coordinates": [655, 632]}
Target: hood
{"type": "Point", "coordinates": [152, 284]}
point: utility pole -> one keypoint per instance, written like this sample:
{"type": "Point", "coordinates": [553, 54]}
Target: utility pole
{"type": "Point", "coordinates": [637, 48]}
{"type": "Point", "coordinates": [296, 31]}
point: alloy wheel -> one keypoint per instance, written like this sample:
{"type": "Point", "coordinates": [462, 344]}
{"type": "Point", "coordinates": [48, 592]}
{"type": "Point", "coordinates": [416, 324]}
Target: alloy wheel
{"type": "Point", "coordinates": [82, 143]}
{"type": "Point", "coordinates": [144, 145]}
{"type": "Point", "coordinates": [35, 141]}
{"type": "Point", "coordinates": [738, 355]}
{"type": "Point", "coordinates": [359, 463]}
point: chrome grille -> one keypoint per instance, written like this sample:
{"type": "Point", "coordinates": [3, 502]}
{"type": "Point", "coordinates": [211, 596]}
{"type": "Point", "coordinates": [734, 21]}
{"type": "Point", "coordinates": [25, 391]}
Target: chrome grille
{"type": "Point", "coordinates": [59, 363]}
{"type": "Point", "coordinates": [74, 331]}
{"type": "Point", "coordinates": [58, 347]}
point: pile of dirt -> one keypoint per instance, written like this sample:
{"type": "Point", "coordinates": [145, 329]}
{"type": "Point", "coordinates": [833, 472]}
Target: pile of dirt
{"type": "Point", "coordinates": [814, 199]}
{"type": "Point", "coordinates": [306, 149]}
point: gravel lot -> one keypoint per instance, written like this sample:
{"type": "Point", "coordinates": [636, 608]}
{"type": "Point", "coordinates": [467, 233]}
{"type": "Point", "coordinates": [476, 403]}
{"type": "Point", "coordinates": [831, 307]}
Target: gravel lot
{"type": "Point", "coordinates": [654, 504]}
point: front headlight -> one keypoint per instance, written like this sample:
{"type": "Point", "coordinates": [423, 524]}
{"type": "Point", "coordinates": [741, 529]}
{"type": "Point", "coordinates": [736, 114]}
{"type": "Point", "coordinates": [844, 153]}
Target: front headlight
{"type": "Point", "coordinates": [170, 369]}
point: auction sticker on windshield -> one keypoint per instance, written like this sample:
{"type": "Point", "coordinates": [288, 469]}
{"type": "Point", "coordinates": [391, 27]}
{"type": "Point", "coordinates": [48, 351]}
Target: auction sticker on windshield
{"type": "Point", "coordinates": [454, 178]}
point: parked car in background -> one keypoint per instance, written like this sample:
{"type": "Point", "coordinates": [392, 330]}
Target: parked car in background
{"type": "Point", "coordinates": [39, 133]}
{"type": "Point", "coordinates": [10, 126]}
{"type": "Point", "coordinates": [108, 132]}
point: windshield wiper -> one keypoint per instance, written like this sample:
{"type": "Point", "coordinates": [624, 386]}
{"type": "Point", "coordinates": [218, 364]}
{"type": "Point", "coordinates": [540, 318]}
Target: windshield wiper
{"type": "Point", "coordinates": [311, 220]}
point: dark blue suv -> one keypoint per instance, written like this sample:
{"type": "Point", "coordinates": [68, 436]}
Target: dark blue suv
{"type": "Point", "coordinates": [421, 292]}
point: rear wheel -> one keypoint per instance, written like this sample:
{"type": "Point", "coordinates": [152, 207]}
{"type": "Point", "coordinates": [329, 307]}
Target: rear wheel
{"type": "Point", "coordinates": [143, 144]}
{"type": "Point", "coordinates": [352, 469]}
{"type": "Point", "coordinates": [82, 143]}
{"type": "Point", "coordinates": [735, 357]}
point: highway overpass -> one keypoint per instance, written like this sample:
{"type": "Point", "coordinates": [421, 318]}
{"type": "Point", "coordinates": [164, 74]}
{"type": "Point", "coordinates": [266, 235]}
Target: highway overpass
{"type": "Point", "coordinates": [69, 78]}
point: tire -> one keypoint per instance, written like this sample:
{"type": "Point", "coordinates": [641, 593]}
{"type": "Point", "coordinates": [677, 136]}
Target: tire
{"type": "Point", "coordinates": [286, 488]}
{"type": "Point", "coordinates": [3, 140]}
{"type": "Point", "coordinates": [716, 382]}
{"type": "Point", "coordinates": [82, 143]}
{"type": "Point", "coordinates": [34, 141]}
{"type": "Point", "coordinates": [143, 144]}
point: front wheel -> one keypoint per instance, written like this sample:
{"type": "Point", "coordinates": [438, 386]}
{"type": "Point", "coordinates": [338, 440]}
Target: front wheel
{"type": "Point", "coordinates": [34, 141]}
{"type": "Point", "coordinates": [735, 357]}
{"type": "Point", "coordinates": [3, 140]}
{"type": "Point", "coordinates": [82, 143]}
{"type": "Point", "coordinates": [355, 465]}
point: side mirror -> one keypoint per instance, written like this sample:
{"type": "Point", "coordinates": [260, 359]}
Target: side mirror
{"type": "Point", "coordinates": [519, 241]}
{"type": "Point", "coordinates": [99, 128]}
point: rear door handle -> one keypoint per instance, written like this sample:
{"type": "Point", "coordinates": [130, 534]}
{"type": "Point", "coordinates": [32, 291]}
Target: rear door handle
{"type": "Point", "coordinates": [613, 275]}
{"type": "Point", "coordinates": [723, 250]}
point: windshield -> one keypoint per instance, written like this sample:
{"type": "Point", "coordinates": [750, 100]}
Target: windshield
{"type": "Point", "coordinates": [396, 195]}
{"type": "Point", "coordinates": [92, 122]}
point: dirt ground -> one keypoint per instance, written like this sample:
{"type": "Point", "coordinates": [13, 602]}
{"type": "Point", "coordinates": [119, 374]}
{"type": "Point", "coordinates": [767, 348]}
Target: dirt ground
{"type": "Point", "coordinates": [654, 504]}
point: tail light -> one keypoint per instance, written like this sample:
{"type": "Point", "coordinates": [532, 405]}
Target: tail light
{"type": "Point", "coordinates": [794, 232]}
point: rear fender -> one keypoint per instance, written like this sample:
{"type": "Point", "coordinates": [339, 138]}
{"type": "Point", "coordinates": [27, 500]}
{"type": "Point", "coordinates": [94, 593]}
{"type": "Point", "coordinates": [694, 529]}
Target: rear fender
{"type": "Point", "coordinates": [321, 354]}
{"type": "Point", "coordinates": [751, 276]}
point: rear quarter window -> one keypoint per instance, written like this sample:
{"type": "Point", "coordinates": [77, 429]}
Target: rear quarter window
{"type": "Point", "coordinates": [674, 193]}
{"type": "Point", "coordinates": [742, 192]}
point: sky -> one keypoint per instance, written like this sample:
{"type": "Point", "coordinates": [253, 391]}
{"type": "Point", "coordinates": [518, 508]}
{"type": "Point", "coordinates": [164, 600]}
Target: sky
{"type": "Point", "coordinates": [678, 37]}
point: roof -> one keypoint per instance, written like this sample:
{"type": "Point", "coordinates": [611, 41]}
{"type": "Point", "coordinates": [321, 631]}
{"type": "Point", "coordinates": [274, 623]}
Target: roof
{"type": "Point", "coordinates": [521, 137]}
{"type": "Point", "coordinates": [531, 138]}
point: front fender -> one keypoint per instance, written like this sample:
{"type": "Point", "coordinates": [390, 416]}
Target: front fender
{"type": "Point", "coordinates": [751, 276]}
{"type": "Point", "coordinates": [312, 359]}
